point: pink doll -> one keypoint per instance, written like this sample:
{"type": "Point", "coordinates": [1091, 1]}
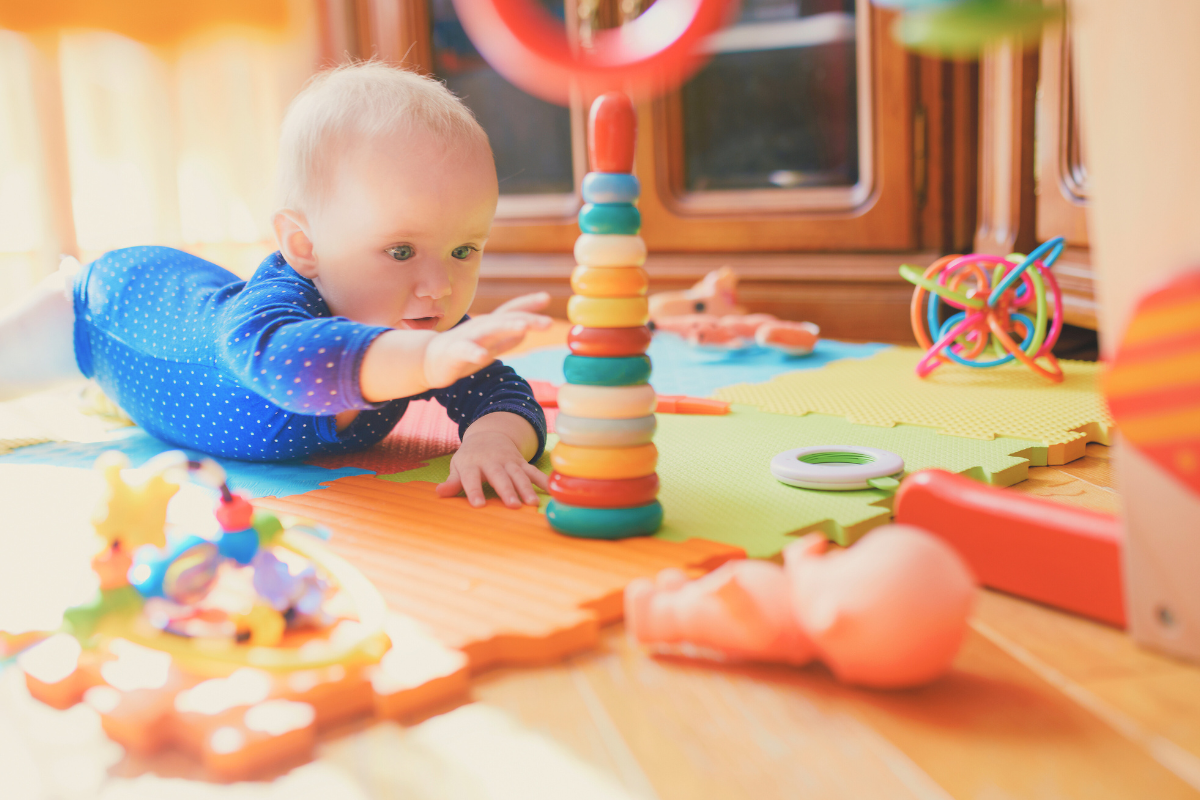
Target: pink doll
{"type": "Point", "coordinates": [708, 314]}
{"type": "Point", "coordinates": [889, 612]}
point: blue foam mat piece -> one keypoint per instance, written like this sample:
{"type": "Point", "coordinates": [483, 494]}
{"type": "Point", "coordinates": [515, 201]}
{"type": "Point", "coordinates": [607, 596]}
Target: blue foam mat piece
{"type": "Point", "coordinates": [680, 368]}
{"type": "Point", "coordinates": [277, 479]}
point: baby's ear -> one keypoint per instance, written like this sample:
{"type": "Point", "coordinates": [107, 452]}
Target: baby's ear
{"type": "Point", "coordinates": [291, 234]}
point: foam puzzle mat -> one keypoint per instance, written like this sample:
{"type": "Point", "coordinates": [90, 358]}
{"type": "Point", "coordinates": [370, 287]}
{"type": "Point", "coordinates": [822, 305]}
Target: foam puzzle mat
{"type": "Point", "coordinates": [716, 484]}
{"type": "Point", "coordinates": [883, 390]}
{"type": "Point", "coordinates": [680, 368]}
{"type": "Point", "coordinates": [255, 479]}
{"type": "Point", "coordinates": [492, 582]}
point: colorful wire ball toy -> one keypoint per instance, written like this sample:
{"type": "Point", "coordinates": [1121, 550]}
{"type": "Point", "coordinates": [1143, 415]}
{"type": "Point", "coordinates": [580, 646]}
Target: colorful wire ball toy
{"type": "Point", "coordinates": [999, 301]}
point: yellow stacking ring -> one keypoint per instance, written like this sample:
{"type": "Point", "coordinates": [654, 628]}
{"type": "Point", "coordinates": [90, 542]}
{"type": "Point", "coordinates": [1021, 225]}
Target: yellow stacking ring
{"type": "Point", "coordinates": [610, 281]}
{"type": "Point", "coordinates": [605, 463]}
{"type": "Point", "coordinates": [607, 402]}
{"type": "Point", "coordinates": [608, 312]}
{"type": "Point", "coordinates": [609, 250]}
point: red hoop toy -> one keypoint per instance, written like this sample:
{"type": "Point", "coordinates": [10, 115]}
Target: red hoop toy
{"type": "Point", "coordinates": [644, 58]}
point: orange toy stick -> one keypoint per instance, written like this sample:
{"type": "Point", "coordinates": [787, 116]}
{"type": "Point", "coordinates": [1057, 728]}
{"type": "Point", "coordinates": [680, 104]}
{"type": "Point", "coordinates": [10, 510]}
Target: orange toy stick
{"type": "Point", "coordinates": [682, 404]}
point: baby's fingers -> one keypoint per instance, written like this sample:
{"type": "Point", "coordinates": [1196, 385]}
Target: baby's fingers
{"type": "Point", "coordinates": [472, 483]}
{"type": "Point", "coordinates": [521, 483]}
{"type": "Point", "coordinates": [539, 478]}
{"type": "Point", "coordinates": [451, 486]}
{"type": "Point", "coordinates": [526, 302]}
{"type": "Point", "coordinates": [502, 483]}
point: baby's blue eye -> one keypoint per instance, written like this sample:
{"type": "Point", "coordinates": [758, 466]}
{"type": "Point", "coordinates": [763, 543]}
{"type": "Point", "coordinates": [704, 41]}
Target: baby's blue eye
{"type": "Point", "coordinates": [463, 252]}
{"type": "Point", "coordinates": [402, 252]}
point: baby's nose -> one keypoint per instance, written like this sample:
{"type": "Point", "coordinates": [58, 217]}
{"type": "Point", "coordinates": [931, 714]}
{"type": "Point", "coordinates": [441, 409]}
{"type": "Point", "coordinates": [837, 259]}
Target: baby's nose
{"type": "Point", "coordinates": [434, 282]}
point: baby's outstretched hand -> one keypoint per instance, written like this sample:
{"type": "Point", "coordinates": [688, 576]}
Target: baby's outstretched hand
{"type": "Point", "coordinates": [471, 346]}
{"type": "Point", "coordinates": [492, 456]}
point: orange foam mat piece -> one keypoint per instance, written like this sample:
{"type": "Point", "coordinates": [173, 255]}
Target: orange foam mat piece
{"type": "Point", "coordinates": [493, 582]}
{"type": "Point", "coordinates": [424, 432]}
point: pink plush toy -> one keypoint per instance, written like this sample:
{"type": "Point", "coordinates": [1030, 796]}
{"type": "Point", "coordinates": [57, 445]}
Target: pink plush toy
{"type": "Point", "coordinates": [708, 314]}
{"type": "Point", "coordinates": [889, 612]}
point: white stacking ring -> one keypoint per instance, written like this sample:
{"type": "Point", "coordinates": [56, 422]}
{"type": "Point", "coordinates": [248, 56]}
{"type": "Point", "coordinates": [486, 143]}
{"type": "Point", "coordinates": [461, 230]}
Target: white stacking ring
{"type": "Point", "coordinates": [591, 432]}
{"type": "Point", "coordinates": [835, 468]}
{"type": "Point", "coordinates": [609, 250]}
{"type": "Point", "coordinates": [606, 402]}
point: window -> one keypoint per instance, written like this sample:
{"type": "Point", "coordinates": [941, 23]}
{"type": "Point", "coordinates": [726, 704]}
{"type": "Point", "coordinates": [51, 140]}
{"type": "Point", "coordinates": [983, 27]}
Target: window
{"type": "Point", "coordinates": [538, 159]}
{"type": "Point", "coordinates": [797, 136]}
{"type": "Point", "coordinates": [106, 142]}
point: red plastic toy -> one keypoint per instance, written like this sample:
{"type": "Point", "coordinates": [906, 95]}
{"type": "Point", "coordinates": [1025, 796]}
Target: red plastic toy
{"type": "Point", "coordinates": [1062, 556]}
{"type": "Point", "coordinates": [646, 57]}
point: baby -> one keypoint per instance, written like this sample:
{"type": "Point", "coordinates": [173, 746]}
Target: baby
{"type": "Point", "coordinates": [387, 194]}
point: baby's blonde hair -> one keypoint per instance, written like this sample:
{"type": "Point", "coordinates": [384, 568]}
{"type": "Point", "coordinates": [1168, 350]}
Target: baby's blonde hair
{"type": "Point", "coordinates": [361, 101]}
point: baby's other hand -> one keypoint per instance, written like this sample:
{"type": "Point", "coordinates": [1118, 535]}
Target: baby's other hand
{"type": "Point", "coordinates": [468, 348]}
{"type": "Point", "coordinates": [494, 457]}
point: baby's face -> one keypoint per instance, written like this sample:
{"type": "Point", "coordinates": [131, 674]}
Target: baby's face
{"type": "Point", "coordinates": [399, 239]}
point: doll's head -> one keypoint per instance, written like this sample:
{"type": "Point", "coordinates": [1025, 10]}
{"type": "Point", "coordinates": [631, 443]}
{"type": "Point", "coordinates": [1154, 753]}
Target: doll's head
{"type": "Point", "coordinates": [387, 190]}
{"type": "Point", "coordinates": [890, 611]}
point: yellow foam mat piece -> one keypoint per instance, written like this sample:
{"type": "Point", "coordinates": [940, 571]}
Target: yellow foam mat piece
{"type": "Point", "coordinates": [884, 390]}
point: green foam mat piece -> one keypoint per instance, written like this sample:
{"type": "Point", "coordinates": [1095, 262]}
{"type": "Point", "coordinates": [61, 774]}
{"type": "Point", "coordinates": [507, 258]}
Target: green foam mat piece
{"type": "Point", "coordinates": [716, 484]}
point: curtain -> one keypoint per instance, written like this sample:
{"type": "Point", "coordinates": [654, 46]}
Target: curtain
{"type": "Point", "coordinates": [108, 142]}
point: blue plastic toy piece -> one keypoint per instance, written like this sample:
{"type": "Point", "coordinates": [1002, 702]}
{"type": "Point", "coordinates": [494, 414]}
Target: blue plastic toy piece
{"type": "Point", "coordinates": [239, 545]}
{"type": "Point", "coordinates": [622, 219]}
{"type": "Point", "coordinates": [610, 187]}
{"type": "Point", "coordinates": [589, 371]}
{"type": "Point", "coordinates": [604, 523]}
{"type": "Point", "coordinates": [182, 573]}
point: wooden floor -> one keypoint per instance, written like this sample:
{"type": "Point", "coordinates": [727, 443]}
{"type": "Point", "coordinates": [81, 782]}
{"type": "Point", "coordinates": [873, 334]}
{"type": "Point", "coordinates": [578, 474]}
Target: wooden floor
{"type": "Point", "coordinates": [1040, 704]}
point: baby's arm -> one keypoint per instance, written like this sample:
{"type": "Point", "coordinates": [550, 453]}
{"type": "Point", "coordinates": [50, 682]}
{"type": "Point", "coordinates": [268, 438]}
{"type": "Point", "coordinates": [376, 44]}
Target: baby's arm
{"type": "Point", "coordinates": [406, 363]}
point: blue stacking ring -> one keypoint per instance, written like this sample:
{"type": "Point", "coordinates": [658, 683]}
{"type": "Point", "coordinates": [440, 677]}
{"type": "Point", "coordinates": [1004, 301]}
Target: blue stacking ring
{"type": "Point", "coordinates": [610, 187]}
{"type": "Point", "coordinates": [589, 371]}
{"type": "Point", "coordinates": [622, 219]}
{"type": "Point", "coordinates": [604, 523]}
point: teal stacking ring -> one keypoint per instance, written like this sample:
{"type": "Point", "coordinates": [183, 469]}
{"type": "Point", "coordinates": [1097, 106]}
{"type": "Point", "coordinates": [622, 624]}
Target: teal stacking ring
{"type": "Point", "coordinates": [622, 219]}
{"type": "Point", "coordinates": [604, 523]}
{"type": "Point", "coordinates": [610, 187]}
{"type": "Point", "coordinates": [591, 432]}
{"type": "Point", "coordinates": [589, 371]}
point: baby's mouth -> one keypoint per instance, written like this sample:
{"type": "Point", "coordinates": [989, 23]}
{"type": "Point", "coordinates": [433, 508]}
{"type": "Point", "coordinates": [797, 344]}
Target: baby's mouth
{"type": "Point", "coordinates": [421, 323]}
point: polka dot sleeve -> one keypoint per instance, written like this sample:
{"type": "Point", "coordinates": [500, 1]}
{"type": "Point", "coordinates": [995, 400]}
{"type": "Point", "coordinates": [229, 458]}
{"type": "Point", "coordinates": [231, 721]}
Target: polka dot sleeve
{"type": "Point", "coordinates": [279, 341]}
{"type": "Point", "coordinates": [496, 387]}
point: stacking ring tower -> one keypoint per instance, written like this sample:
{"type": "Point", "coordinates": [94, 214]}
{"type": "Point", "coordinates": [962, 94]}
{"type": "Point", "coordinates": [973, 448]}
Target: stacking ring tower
{"type": "Point", "coordinates": [605, 484]}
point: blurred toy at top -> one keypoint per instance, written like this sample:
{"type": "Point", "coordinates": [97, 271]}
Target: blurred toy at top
{"type": "Point", "coordinates": [963, 28]}
{"type": "Point", "coordinates": [150, 21]}
{"type": "Point", "coordinates": [644, 58]}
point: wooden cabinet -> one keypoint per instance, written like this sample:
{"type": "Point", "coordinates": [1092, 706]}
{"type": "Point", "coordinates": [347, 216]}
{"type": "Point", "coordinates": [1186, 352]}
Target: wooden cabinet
{"type": "Point", "coordinates": [1033, 173]}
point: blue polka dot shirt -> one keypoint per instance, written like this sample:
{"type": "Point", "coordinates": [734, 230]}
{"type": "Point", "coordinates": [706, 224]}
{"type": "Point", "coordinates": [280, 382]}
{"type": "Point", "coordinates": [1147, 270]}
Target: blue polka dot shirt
{"type": "Point", "coordinates": [252, 370]}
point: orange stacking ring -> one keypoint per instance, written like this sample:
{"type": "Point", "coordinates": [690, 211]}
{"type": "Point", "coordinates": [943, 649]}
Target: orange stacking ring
{"type": "Point", "coordinates": [610, 281]}
{"type": "Point", "coordinates": [592, 493]}
{"type": "Point", "coordinates": [608, 342]}
{"type": "Point", "coordinates": [605, 463]}
{"type": "Point", "coordinates": [608, 312]}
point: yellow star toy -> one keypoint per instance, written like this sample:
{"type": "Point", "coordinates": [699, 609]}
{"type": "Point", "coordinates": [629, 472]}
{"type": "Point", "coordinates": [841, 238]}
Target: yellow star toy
{"type": "Point", "coordinates": [134, 515]}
